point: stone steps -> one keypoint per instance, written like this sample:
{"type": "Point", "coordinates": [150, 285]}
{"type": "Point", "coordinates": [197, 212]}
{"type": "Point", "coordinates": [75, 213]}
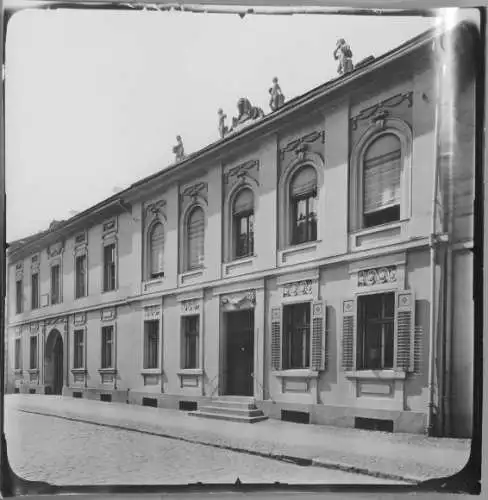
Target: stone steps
{"type": "Point", "coordinates": [232, 408]}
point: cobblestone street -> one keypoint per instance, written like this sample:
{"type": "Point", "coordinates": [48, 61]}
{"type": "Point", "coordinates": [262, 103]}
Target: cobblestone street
{"type": "Point", "coordinates": [64, 452]}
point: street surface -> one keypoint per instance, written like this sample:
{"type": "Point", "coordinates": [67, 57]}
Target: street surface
{"type": "Point", "coordinates": [63, 452]}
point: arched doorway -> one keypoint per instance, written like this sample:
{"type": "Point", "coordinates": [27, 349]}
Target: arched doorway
{"type": "Point", "coordinates": [54, 363]}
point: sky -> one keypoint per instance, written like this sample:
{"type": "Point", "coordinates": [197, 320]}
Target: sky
{"type": "Point", "coordinates": [95, 99]}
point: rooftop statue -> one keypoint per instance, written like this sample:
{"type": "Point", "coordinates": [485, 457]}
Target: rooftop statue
{"type": "Point", "coordinates": [179, 150]}
{"type": "Point", "coordinates": [223, 128]}
{"type": "Point", "coordinates": [277, 98]}
{"type": "Point", "coordinates": [246, 111]}
{"type": "Point", "coordinates": [343, 53]}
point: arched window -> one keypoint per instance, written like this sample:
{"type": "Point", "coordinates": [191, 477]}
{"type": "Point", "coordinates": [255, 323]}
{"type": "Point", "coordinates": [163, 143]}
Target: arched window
{"type": "Point", "coordinates": [303, 203]}
{"type": "Point", "coordinates": [381, 180]}
{"type": "Point", "coordinates": [243, 222]}
{"type": "Point", "coordinates": [156, 251]}
{"type": "Point", "coordinates": [196, 238]}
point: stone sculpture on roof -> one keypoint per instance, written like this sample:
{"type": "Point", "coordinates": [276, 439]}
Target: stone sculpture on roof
{"type": "Point", "coordinates": [343, 53]}
{"type": "Point", "coordinates": [223, 128]}
{"type": "Point", "coordinates": [247, 113]}
{"type": "Point", "coordinates": [277, 98]}
{"type": "Point", "coordinates": [179, 150]}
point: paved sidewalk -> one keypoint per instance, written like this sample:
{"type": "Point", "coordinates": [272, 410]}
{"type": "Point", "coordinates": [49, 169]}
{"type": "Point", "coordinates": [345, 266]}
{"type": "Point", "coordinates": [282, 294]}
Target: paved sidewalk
{"type": "Point", "coordinates": [393, 456]}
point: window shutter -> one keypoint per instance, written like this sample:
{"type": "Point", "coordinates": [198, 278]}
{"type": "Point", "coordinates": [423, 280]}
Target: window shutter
{"type": "Point", "coordinates": [157, 249]}
{"type": "Point", "coordinates": [276, 338]}
{"type": "Point", "coordinates": [348, 333]}
{"type": "Point", "coordinates": [304, 181]}
{"type": "Point", "coordinates": [196, 238]}
{"type": "Point", "coordinates": [319, 340]}
{"type": "Point", "coordinates": [405, 329]}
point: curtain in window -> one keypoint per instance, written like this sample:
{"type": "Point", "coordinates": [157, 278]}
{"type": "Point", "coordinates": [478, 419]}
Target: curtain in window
{"type": "Point", "coordinates": [382, 167]}
{"type": "Point", "coordinates": [196, 235]}
{"type": "Point", "coordinates": [157, 250]}
{"type": "Point", "coordinates": [304, 182]}
{"type": "Point", "coordinates": [244, 202]}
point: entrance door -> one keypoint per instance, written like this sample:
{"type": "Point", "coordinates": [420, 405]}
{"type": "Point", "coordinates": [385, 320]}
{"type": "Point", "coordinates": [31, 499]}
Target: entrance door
{"type": "Point", "coordinates": [240, 352]}
{"type": "Point", "coordinates": [58, 366]}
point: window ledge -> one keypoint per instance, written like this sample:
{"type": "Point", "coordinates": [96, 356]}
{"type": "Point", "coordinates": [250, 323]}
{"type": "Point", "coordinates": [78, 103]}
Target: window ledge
{"type": "Point", "coordinates": [190, 371]}
{"type": "Point", "coordinates": [18, 371]}
{"type": "Point", "coordinates": [301, 246]}
{"type": "Point", "coordinates": [377, 374]}
{"type": "Point", "coordinates": [109, 371]}
{"type": "Point", "coordinates": [154, 281]}
{"type": "Point", "coordinates": [302, 373]}
{"type": "Point", "coordinates": [192, 272]}
{"type": "Point", "coordinates": [33, 370]}
{"type": "Point", "coordinates": [242, 260]}
{"type": "Point", "coordinates": [151, 371]}
{"type": "Point", "coordinates": [80, 370]}
{"type": "Point", "coordinates": [377, 229]}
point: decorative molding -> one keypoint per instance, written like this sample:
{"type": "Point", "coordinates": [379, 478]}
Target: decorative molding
{"type": "Point", "coordinates": [80, 319]}
{"type": "Point", "coordinates": [300, 146]}
{"type": "Point", "coordinates": [240, 172]}
{"type": "Point", "coordinates": [190, 307]}
{"type": "Point", "coordinates": [107, 314]}
{"type": "Point", "coordinates": [152, 313]}
{"type": "Point", "coordinates": [109, 227]}
{"type": "Point", "coordinates": [377, 276]}
{"type": "Point", "coordinates": [155, 209]}
{"type": "Point", "coordinates": [19, 271]}
{"type": "Point", "coordinates": [298, 288]}
{"type": "Point", "coordinates": [80, 238]}
{"type": "Point", "coordinates": [379, 112]}
{"type": "Point", "coordinates": [35, 264]}
{"type": "Point", "coordinates": [237, 300]}
{"type": "Point", "coordinates": [34, 327]}
{"type": "Point", "coordinates": [55, 250]}
{"type": "Point", "coordinates": [199, 189]}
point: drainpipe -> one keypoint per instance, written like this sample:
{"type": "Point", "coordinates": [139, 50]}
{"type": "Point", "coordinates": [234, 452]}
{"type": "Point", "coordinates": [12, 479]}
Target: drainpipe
{"type": "Point", "coordinates": [433, 248]}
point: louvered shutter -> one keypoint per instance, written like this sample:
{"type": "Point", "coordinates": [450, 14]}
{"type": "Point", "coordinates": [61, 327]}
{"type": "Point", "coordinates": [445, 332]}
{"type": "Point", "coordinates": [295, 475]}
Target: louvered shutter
{"type": "Point", "coordinates": [319, 340]}
{"type": "Point", "coordinates": [348, 333]}
{"type": "Point", "coordinates": [196, 238]}
{"type": "Point", "coordinates": [276, 338]}
{"type": "Point", "coordinates": [382, 169]}
{"type": "Point", "coordinates": [405, 329]}
{"type": "Point", "coordinates": [304, 182]}
{"type": "Point", "coordinates": [157, 249]}
{"type": "Point", "coordinates": [244, 202]}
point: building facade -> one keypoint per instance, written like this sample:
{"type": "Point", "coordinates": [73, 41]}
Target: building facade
{"type": "Point", "coordinates": [299, 260]}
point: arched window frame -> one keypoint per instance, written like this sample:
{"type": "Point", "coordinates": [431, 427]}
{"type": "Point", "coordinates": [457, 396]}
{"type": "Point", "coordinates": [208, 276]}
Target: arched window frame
{"type": "Point", "coordinates": [284, 205]}
{"type": "Point", "coordinates": [197, 203]}
{"type": "Point", "coordinates": [159, 219]}
{"type": "Point", "coordinates": [401, 130]}
{"type": "Point", "coordinates": [229, 230]}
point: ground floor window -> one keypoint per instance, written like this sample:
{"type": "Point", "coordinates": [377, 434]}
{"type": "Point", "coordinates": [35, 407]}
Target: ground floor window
{"type": "Point", "coordinates": [79, 350]}
{"type": "Point", "coordinates": [296, 336]}
{"type": "Point", "coordinates": [107, 346]}
{"type": "Point", "coordinates": [191, 327]}
{"type": "Point", "coordinates": [376, 331]}
{"type": "Point", "coordinates": [18, 354]}
{"type": "Point", "coordinates": [33, 353]}
{"type": "Point", "coordinates": [151, 344]}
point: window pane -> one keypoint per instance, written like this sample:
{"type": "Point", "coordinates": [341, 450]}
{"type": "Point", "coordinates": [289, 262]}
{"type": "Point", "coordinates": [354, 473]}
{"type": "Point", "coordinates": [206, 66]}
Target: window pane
{"type": "Point", "coordinates": [35, 291]}
{"type": "Point", "coordinates": [18, 354]}
{"type": "Point", "coordinates": [80, 276]}
{"type": "Point", "coordinates": [151, 344]}
{"type": "Point", "coordinates": [244, 202]}
{"type": "Point", "coordinates": [79, 349]}
{"type": "Point", "coordinates": [196, 235]}
{"type": "Point", "coordinates": [191, 325]}
{"type": "Point", "coordinates": [19, 296]}
{"type": "Point", "coordinates": [33, 353]}
{"type": "Point", "coordinates": [157, 250]}
{"type": "Point", "coordinates": [296, 336]}
{"type": "Point", "coordinates": [304, 181]}
{"type": "Point", "coordinates": [55, 298]}
{"type": "Point", "coordinates": [107, 346]}
{"type": "Point", "coordinates": [109, 267]}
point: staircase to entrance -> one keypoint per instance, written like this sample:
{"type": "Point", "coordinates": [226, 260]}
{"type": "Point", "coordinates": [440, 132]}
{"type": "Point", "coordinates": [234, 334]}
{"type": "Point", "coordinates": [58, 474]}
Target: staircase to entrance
{"type": "Point", "coordinates": [231, 408]}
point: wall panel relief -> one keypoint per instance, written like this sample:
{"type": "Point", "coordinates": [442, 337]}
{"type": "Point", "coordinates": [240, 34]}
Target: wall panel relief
{"type": "Point", "coordinates": [241, 300]}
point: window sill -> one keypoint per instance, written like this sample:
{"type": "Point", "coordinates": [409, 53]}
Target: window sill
{"type": "Point", "coordinates": [107, 371]}
{"type": "Point", "coordinates": [151, 371]}
{"type": "Point", "coordinates": [377, 229]}
{"type": "Point", "coordinates": [301, 246]}
{"type": "Point", "coordinates": [192, 272]}
{"type": "Point", "coordinates": [298, 373]}
{"type": "Point", "coordinates": [376, 374]}
{"type": "Point", "coordinates": [32, 371]}
{"type": "Point", "coordinates": [18, 371]}
{"type": "Point", "coordinates": [79, 370]}
{"type": "Point", "coordinates": [190, 371]}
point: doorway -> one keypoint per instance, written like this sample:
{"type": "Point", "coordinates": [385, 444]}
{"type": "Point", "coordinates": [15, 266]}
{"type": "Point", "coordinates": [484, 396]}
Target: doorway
{"type": "Point", "coordinates": [54, 363]}
{"type": "Point", "coordinates": [240, 353]}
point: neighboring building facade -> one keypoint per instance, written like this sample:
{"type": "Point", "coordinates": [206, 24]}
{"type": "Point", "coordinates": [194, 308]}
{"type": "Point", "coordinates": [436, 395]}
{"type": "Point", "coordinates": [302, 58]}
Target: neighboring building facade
{"type": "Point", "coordinates": [289, 261]}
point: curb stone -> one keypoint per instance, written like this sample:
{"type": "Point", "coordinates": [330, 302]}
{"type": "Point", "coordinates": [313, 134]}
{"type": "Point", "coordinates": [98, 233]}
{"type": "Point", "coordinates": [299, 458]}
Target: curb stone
{"type": "Point", "coordinates": [300, 461]}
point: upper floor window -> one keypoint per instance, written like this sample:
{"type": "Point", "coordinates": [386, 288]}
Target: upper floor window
{"type": "Point", "coordinates": [80, 278]}
{"type": "Point", "coordinates": [19, 296]}
{"type": "Point", "coordinates": [55, 285]}
{"type": "Point", "coordinates": [35, 291]}
{"type": "Point", "coordinates": [243, 222]}
{"type": "Point", "coordinates": [303, 204]}
{"type": "Point", "coordinates": [109, 267]}
{"type": "Point", "coordinates": [156, 250]}
{"type": "Point", "coordinates": [196, 238]}
{"type": "Point", "coordinates": [381, 181]}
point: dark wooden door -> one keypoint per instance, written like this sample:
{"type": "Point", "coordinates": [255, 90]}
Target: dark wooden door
{"type": "Point", "coordinates": [58, 366]}
{"type": "Point", "coordinates": [240, 353]}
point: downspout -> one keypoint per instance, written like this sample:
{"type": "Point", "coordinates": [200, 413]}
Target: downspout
{"type": "Point", "coordinates": [433, 248]}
